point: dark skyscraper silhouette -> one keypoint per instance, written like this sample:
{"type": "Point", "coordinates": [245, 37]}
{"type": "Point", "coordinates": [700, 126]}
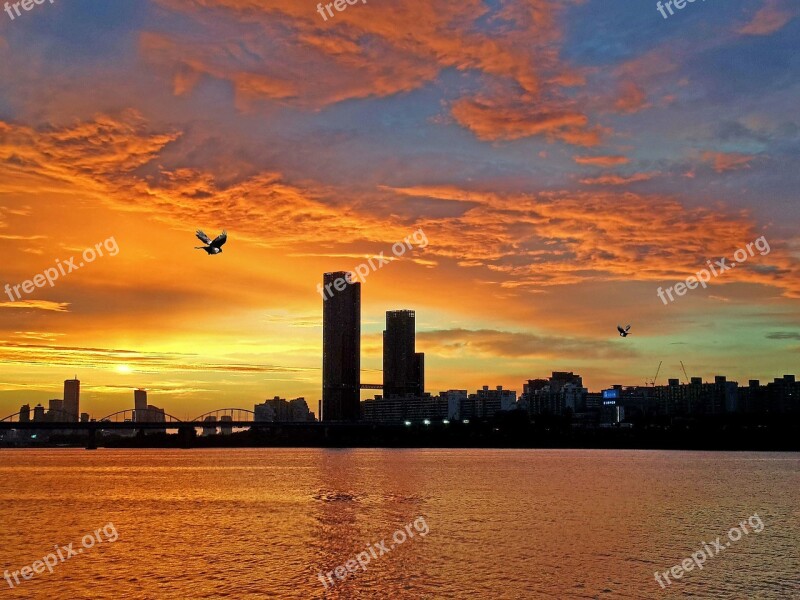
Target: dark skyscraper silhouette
{"type": "Point", "coordinates": [341, 349]}
{"type": "Point", "coordinates": [140, 405]}
{"type": "Point", "coordinates": [403, 368]}
{"type": "Point", "coordinates": [72, 395]}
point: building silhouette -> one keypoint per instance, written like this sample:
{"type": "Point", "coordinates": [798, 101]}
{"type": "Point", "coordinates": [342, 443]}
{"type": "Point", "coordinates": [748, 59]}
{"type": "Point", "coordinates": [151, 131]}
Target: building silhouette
{"type": "Point", "coordinates": [72, 394]}
{"type": "Point", "coordinates": [341, 348]}
{"type": "Point", "coordinates": [486, 403]}
{"type": "Point", "coordinates": [281, 410]}
{"type": "Point", "coordinates": [55, 411]}
{"type": "Point", "coordinates": [403, 367]}
{"type": "Point", "coordinates": [563, 391]}
{"type": "Point", "coordinates": [140, 405]}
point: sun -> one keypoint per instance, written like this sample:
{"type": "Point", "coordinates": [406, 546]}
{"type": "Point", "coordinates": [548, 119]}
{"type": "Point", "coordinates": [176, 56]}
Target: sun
{"type": "Point", "coordinates": [124, 369]}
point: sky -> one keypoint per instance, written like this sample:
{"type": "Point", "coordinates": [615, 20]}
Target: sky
{"type": "Point", "coordinates": [565, 159]}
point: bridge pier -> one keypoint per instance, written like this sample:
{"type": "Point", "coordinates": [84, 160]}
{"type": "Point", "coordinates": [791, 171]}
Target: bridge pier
{"type": "Point", "coordinates": [91, 441]}
{"type": "Point", "coordinates": [186, 435]}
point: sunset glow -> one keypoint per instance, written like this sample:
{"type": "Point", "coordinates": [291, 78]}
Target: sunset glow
{"type": "Point", "coordinates": [564, 159]}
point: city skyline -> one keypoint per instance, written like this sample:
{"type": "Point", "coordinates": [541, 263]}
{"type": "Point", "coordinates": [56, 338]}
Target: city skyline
{"type": "Point", "coordinates": [561, 185]}
{"type": "Point", "coordinates": [342, 307]}
{"type": "Point", "coordinates": [529, 386]}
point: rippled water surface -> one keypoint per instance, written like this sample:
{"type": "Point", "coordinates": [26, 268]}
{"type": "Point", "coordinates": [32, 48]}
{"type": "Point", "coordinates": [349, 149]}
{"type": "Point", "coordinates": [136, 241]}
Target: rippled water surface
{"type": "Point", "coordinates": [500, 524]}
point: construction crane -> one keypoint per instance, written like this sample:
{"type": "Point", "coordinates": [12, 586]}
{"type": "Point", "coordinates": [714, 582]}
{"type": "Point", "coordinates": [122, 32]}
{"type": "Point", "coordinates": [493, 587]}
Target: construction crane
{"type": "Point", "coordinates": [684, 372]}
{"type": "Point", "coordinates": [652, 382]}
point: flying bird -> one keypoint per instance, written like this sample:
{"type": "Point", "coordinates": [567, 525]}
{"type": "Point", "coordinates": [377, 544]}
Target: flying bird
{"type": "Point", "coordinates": [214, 247]}
{"type": "Point", "coordinates": [623, 332]}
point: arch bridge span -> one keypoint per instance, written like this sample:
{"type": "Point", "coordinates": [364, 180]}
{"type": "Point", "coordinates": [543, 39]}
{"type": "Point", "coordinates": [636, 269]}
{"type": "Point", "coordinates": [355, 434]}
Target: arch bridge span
{"type": "Point", "coordinates": [147, 416]}
{"type": "Point", "coordinates": [235, 414]}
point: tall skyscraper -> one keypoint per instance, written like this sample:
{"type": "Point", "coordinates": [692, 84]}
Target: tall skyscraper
{"type": "Point", "coordinates": [72, 395]}
{"type": "Point", "coordinates": [140, 405]}
{"type": "Point", "coordinates": [400, 362]}
{"type": "Point", "coordinates": [341, 349]}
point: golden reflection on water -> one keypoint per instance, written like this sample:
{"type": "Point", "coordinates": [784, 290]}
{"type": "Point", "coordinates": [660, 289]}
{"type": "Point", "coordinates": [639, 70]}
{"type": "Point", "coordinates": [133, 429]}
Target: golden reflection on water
{"type": "Point", "coordinates": [503, 524]}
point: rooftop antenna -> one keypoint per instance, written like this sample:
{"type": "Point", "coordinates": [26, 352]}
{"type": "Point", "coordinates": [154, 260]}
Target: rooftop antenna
{"type": "Point", "coordinates": [684, 372]}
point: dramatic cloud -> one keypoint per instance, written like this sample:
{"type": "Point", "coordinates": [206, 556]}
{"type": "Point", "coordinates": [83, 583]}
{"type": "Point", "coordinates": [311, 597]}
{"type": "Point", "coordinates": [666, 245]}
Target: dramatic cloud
{"type": "Point", "coordinates": [385, 50]}
{"type": "Point", "coordinates": [567, 238]}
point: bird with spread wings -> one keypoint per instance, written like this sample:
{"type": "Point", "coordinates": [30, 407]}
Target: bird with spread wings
{"type": "Point", "coordinates": [211, 247]}
{"type": "Point", "coordinates": [623, 332]}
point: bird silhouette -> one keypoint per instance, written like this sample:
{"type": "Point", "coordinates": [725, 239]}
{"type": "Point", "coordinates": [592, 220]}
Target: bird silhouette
{"type": "Point", "coordinates": [212, 247]}
{"type": "Point", "coordinates": [623, 332]}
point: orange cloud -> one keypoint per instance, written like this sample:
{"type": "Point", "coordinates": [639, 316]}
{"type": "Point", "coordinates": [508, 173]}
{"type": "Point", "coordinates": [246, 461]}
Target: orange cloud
{"type": "Point", "coordinates": [37, 305]}
{"type": "Point", "coordinates": [612, 179]}
{"type": "Point", "coordinates": [489, 120]}
{"type": "Point", "coordinates": [632, 98]}
{"type": "Point", "coordinates": [384, 50]}
{"type": "Point", "coordinates": [563, 238]}
{"type": "Point", "coordinates": [768, 19]}
{"type": "Point", "coordinates": [727, 161]}
{"type": "Point", "coordinates": [601, 161]}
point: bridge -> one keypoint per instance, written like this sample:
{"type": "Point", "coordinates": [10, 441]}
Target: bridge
{"type": "Point", "coordinates": [230, 414]}
{"type": "Point", "coordinates": [125, 420]}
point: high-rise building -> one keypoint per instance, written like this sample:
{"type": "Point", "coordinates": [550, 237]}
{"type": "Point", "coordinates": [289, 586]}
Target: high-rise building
{"type": "Point", "coordinates": [55, 411]}
{"type": "Point", "coordinates": [72, 394]}
{"type": "Point", "coordinates": [25, 413]}
{"type": "Point", "coordinates": [38, 413]}
{"type": "Point", "coordinates": [341, 348]}
{"type": "Point", "coordinates": [140, 405]}
{"type": "Point", "coordinates": [400, 361]}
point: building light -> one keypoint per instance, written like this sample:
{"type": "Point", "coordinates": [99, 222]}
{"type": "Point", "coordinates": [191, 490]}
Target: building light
{"type": "Point", "coordinates": [408, 423]}
{"type": "Point", "coordinates": [427, 422]}
{"type": "Point", "coordinates": [446, 422]}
